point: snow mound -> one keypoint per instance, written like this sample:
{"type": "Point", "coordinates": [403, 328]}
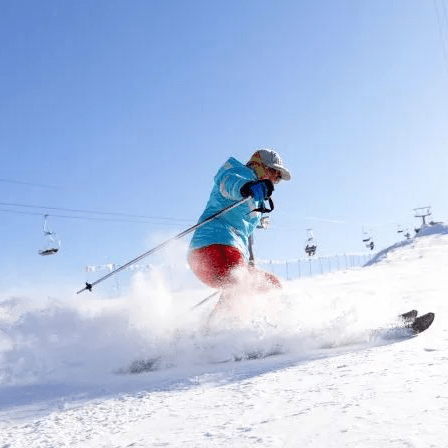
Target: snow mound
{"type": "Point", "coordinates": [425, 231]}
{"type": "Point", "coordinates": [437, 228]}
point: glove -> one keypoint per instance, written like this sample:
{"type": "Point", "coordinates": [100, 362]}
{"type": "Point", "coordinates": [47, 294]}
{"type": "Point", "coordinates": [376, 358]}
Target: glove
{"type": "Point", "coordinates": [258, 189]}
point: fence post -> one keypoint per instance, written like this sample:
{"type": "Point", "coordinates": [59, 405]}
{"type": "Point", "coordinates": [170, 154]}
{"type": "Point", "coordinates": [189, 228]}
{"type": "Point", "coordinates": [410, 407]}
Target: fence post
{"type": "Point", "coordinates": [348, 261]}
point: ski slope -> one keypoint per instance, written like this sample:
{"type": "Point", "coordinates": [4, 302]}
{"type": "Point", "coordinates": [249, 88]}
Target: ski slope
{"type": "Point", "coordinates": [333, 385]}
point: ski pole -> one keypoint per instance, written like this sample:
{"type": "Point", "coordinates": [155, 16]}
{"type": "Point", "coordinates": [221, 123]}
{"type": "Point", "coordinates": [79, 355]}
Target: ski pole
{"type": "Point", "coordinates": [251, 250]}
{"type": "Point", "coordinates": [204, 300]}
{"type": "Point", "coordinates": [89, 286]}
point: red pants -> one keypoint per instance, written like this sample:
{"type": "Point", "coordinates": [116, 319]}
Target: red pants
{"type": "Point", "coordinates": [213, 265]}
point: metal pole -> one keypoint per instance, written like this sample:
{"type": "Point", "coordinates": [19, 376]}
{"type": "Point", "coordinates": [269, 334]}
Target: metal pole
{"type": "Point", "coordinates": [251, 250]}
{"type": "Point", "coordinates": [205, 300]}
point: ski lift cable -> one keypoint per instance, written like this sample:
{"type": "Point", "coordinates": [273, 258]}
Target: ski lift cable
{"type": "Point", "coordinates": [21, 182]}
{"type": "Point", "coordinates": [440, 24]}
{"type": "Point", "coordinates": [445, 13]}
{"type": "Point", "coordinates": [92, 218]}
{"type": "Point", "coordinates": [92, 212]}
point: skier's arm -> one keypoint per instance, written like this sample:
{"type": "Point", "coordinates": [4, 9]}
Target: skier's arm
{"type": "Point", "coordinates": [230, 182]}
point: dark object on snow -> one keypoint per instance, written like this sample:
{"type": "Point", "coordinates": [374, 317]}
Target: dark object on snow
{"type": "Point", "coordinates": [422, 323]}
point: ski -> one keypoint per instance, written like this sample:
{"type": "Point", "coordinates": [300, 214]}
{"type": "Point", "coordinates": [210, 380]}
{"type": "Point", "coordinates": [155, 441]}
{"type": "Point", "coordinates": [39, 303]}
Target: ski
{"type": "Point", "coordinates": [252, 355]}
{"type": "Point", "coordinates": [409, 316]}
{"type": "Point", "coordinates": [408, 327]}
{"type": "Point", "coordinates": [421, 323]}
{"type": "Point", "coordinates": [140, 366]}
{"type": "Point", "coordinates": [417, 324]}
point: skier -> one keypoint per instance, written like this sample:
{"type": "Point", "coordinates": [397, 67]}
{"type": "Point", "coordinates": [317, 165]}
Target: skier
{"type": "Point", "coordinates": [219, 250]}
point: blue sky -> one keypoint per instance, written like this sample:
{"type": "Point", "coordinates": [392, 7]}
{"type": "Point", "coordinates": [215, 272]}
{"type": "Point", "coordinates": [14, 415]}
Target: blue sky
{"type": "Point", "coordinates": [131, 106]}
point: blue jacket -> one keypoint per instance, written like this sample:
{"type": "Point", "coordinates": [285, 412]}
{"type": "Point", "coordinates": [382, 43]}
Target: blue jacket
{"type": "Point", "coordinates": [234, 227]}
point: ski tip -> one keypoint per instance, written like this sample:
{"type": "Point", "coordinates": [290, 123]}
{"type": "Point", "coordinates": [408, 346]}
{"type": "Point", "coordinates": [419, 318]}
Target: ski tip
{"type": "Point", "coordinates": [422, 323]}
{"type": "Point", "coordinates": [410, 315]}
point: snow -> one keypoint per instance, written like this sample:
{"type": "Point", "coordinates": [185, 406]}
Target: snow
{"type": "Point", "coordinates": [334, 385]}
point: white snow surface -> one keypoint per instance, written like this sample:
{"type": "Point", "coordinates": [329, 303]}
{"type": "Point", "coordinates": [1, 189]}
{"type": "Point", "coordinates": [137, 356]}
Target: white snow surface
{"type": "Point", "coordinates": [333, 385]}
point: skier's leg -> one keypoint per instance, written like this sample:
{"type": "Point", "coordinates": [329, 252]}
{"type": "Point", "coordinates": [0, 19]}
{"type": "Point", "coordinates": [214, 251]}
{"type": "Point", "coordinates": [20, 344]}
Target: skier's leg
{"type": "Point", "coordinates": [213, 264]}
{"type": "Point", "coordinates": [224, 267]}
{"type": "Point", "coordinates": [263, 281]}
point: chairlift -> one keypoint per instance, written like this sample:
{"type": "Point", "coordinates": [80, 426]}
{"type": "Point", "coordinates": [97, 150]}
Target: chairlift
{"type": "Point", "coordinates": [368, 241]}
{"type": "Point", "coordinates": [405, 232]}
{"type": "Point", "coordinates": [310, 245]}
{"type": "Point", "coordinates": [310, 249]}
{"type": "Point", "coordinates": [53, 244]}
